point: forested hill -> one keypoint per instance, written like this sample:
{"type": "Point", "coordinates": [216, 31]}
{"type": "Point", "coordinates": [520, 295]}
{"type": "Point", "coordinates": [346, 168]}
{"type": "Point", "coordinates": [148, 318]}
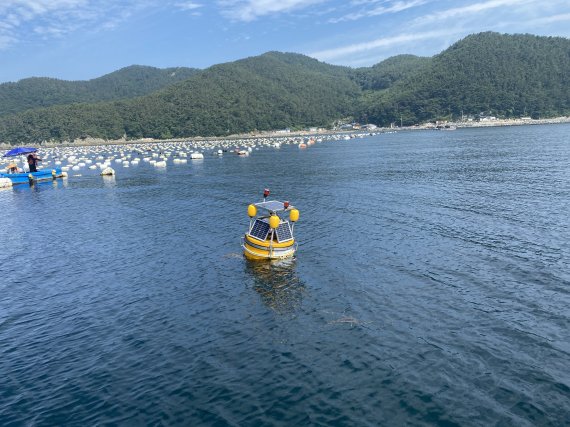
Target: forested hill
{"type": "Point", "coordinates": [384, 74]}
{"type": "Point", "coordinates": [271, 91]}
{"type": "Point", "coordinates": [501, 75]}
{"type": "Point", "coordinates": [129, 82]}
{"type": "Point", "coordinates": [490, 73]}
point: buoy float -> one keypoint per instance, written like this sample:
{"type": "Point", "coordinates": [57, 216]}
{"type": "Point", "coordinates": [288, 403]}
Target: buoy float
{"type": "Point", "coordinates": [251, 211]}
{"type": "Point", "coordinates": [108, 171]}
{"type": "Point", "coordinates": [5, 182]}
{"type": "Point", "coordinates": [274, 221]}
{"type": "Point", "coordinates": [294, 215]}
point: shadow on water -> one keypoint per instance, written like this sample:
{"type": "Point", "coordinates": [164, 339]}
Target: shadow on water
{"type": "Point", "coordinates": [278, 284]}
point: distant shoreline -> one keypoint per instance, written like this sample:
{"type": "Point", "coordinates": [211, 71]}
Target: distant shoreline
{"type": "Point", "coordinates": [506, 122]}
{"type": "Point", "coordinates": [87, 142]}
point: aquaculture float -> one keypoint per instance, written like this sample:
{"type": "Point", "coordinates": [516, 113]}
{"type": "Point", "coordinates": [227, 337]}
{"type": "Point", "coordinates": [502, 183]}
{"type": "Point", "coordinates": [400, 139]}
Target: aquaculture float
{"type": "Point", "coordinates": [270, 233]}
{"type": "Point", "coordinates": [17, 177]}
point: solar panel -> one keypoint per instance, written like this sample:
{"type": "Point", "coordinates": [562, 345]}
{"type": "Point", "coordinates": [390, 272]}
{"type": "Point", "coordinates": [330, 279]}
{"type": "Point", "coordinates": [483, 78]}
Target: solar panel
{"type": "Point", "coordinates": [271, 206]}
{"type": "Point", "coordinates": [259, 230]}
{"type": "Point", "coordinates": [284, 232]}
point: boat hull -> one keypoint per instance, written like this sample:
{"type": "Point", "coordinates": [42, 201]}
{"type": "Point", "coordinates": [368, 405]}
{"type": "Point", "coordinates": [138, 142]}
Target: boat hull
{"type": "Point", "coordinates": [255, 249]}
{"type": "Point", "coordinates": [31, 177]}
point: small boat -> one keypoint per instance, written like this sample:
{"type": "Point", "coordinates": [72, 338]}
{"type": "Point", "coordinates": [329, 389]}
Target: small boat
{"type": "Point", "coordinates": [29, 177]}
{"type": "Point", "coordinates": [270, 234]}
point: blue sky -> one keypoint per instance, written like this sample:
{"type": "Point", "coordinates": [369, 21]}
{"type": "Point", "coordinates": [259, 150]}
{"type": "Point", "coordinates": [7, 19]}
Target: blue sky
{"type": "Point", "coordinates": [85, 39]}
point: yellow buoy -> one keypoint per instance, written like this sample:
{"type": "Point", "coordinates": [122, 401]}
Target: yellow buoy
{"type": "Point", "coordinates": [251, 211]}
{"type": "Point", "coordinates": [274, 221]}
{"type": "Point", "coordinates": [294, 215]}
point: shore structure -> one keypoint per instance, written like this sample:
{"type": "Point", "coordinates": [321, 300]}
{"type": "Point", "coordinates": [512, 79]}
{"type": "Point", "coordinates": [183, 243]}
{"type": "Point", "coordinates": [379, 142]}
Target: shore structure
{"type": "Point", "coordinates": [493, 122]}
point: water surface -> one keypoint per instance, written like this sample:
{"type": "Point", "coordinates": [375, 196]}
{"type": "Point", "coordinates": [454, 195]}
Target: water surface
{"type": "Point", "coordinates": [431, 287]}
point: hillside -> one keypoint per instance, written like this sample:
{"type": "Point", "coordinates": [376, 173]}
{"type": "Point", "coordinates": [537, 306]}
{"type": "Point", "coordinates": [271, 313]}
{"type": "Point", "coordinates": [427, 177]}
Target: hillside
{"type": "Point", "coordinates": [490, 73]}
{"type": "Point", "coordinates": [386, 73]}
{"type": "Point", "coordinates": [274, 90]}
{"type": "Point", "coordinates": [129, 82]}
{"type": "Point", "coordinates": [502, 75]}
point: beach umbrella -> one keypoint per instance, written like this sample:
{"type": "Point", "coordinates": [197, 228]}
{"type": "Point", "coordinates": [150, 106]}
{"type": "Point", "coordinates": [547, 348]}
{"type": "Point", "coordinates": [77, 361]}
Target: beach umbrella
{"type": "Point", "coordinates": [19, 151]}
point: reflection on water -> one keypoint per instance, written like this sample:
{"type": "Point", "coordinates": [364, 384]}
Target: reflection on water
{"type": "Point", "coordinates": [109, 181]}
{"type": "Point", "coordinates": [37, 186]}
{"type": "Point", "coordinates": [277, 283]}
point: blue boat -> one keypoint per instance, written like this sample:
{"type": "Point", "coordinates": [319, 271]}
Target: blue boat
{"type": "Point", "coordinates": [29, 177]}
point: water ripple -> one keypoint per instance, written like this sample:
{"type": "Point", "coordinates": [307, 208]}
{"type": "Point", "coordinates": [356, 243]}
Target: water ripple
{"type": "Point", "coordinates": [430, 287]}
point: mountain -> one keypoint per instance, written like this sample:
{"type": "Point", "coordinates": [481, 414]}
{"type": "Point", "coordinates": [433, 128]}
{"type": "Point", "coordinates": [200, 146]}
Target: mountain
{"type": "Point", "coordinates": [129, 82]}
{"type": "Point", "coordinates": [489, 73]}
{"type": "Point", "coordinates": [384, 74]}
{"type": "Point", "coordinates": [271, 91]}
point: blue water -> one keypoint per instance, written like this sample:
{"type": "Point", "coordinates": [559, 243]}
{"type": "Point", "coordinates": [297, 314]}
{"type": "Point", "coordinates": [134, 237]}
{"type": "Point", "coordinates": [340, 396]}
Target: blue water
{"type": "Point", "coordinates": [431, 287]}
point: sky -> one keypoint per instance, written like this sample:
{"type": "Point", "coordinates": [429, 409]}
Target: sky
{"type": "Point", "coordinates": [85, 39]}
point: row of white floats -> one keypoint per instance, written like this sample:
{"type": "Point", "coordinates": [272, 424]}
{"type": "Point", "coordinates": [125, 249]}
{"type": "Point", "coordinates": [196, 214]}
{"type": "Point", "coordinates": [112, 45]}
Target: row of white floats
{"type": "Point", "coordinates": [158, 154]}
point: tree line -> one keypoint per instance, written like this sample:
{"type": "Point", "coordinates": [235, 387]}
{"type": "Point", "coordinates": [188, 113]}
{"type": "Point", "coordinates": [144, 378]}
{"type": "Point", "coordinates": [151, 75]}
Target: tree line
{"type": "Point", "coordinates": [487, 73]}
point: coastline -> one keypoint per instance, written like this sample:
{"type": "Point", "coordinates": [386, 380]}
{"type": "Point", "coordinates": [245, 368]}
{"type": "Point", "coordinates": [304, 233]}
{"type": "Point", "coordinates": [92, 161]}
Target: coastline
{"type": "Point", "coordinates": [450, 125]}
{"type": "Point", "coordinates": [501, 122]}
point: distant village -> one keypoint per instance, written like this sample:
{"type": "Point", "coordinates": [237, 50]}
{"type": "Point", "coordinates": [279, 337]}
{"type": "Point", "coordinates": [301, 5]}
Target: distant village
{"type": "Point", "coordinates": [480, 120]}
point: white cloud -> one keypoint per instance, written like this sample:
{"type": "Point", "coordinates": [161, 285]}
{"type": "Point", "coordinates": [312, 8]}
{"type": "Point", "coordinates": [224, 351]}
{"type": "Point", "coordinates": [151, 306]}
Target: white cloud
{"type": "Point", "coordinates": [552, 19]}
{"type": "Point", "coordinates": [48, 19]}
{"type": "Point", "coordinates": [31, 8]}
{"type": "Point", "coordinates": [15, 15]}
{"type": "Point", "coordinates": [357, 48]}
{"type": "Point", "coordinates": [429, 33]}
{"type": "Point", "coordinates": [471, 9]}
{"type": "Point", "coordinates": [6, 41]}
{"type": "Point", "coordinates": [250, 10]}
{"type": "Point", "coordinates": [189, 5]}
{"type": "Point", "coordinates": [49, 31]}
{"type": "Point", "coordinates": [395, 7]}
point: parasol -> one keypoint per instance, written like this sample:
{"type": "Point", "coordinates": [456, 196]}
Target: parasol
{"type": "Point", "coordinates": [18, 151]}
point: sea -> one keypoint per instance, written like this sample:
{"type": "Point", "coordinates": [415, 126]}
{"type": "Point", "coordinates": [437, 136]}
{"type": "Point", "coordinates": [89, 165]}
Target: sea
{"type": "Point", "coordinates": [431, 287]}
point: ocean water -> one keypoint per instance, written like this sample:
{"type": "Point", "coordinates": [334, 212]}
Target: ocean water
{"type": "Point", "coordinates": [431, 287]}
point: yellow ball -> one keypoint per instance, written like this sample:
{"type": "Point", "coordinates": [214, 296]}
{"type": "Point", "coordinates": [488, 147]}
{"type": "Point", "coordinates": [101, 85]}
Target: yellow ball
{"type": "Point", "coordinates": [274, 221]}
{"type": "Point", "coordinates": [294, 215]}
{"type": "Point", "coordinates": [251, 210]}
